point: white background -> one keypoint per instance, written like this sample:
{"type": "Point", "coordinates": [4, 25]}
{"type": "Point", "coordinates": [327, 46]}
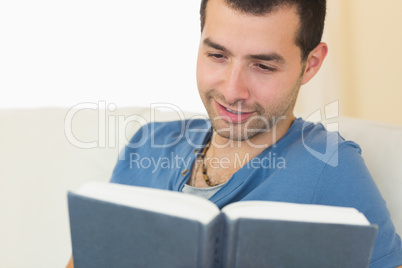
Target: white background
{"type": "Point", "coordinates": [130, 53]}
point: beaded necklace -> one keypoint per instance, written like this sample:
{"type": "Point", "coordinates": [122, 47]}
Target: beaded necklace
{"type": "Point", "coordinates": [204, 168]}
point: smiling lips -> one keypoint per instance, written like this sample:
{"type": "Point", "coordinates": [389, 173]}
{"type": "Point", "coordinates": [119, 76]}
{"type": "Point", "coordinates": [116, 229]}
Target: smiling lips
{"type": "Point", "coordinates": [232, 116]}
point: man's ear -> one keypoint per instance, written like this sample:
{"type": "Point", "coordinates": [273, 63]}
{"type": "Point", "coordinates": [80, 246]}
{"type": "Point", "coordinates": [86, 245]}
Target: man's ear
{"type": "Point", "coordinates": [314, 61]}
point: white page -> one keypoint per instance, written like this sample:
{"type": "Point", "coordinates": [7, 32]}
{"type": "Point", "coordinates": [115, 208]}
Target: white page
{"type": "Point", "coordinates": [295, 212]}
{"type": "Point", "coordinates": [162, 201]}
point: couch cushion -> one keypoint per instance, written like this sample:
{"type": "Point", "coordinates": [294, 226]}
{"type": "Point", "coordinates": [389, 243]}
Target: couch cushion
{"type": "Point", "coordinates": [382, 151]}
{"type": "Point", "coordinates": [40, 160]}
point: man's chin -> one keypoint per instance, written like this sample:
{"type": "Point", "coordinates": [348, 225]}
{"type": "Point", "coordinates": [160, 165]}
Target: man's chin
{"type": "Point", "coordinates": [237, 133]}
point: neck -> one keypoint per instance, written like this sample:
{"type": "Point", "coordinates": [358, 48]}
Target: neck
{"type": "Point", "coordinates": [223, 148]}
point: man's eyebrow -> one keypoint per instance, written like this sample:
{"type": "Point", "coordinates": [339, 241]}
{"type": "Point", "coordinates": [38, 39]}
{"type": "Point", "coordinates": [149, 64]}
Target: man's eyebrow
{"type": "Point", "coordinates": [264, 57]}
{"type": "Point", "coordinates": [214, 45]}
{"type": "Point", "coordinates": [269, 57]}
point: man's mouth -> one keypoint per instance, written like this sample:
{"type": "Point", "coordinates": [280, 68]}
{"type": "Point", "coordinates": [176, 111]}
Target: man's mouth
{"type": "Point", "coordinates": [233, 112]}
{"type": "Point", "coordinates": [233, 116]}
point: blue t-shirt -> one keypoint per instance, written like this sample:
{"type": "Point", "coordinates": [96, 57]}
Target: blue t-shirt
{"type": "Point", "coordinates": [307, 165]}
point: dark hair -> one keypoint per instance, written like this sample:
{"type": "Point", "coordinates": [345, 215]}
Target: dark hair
{"type": "Point", "coordinates": [311, 13]}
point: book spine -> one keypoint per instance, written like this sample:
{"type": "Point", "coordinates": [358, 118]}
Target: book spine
{"type": "Point", "coordinates": [218, 241]}
{"type": "Point", "coordinates": [228, 242]}
{"type": "Point", "coordinates": [210, 238]}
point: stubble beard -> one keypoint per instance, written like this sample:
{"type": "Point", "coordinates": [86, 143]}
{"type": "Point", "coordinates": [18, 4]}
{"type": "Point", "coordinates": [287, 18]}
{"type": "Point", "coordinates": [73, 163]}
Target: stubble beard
{"type": "Point", "coordinates": [259, 123]}
{"type": "Point", "coordinates": [253, 127]}
{"type": "Point", "coordinates": [262, 122]}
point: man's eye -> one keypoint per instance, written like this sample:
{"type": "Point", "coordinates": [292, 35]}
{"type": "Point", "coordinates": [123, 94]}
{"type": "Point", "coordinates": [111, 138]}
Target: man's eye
{"type": "Point", "coordinates": [216, 56]}
{"type": "Point", "coordinates": [266, 68]}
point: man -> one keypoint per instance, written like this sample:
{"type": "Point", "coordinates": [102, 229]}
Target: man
{"type": "Point", "coordinates": [253, 58]}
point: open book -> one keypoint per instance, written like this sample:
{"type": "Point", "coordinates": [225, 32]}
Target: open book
{"type": "Point", "coordinates": [120, 226]}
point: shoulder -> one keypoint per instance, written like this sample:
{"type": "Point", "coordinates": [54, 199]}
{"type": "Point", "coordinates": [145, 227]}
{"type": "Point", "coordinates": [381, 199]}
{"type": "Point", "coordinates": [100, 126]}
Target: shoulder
{"type": "Point", "coordinates": [313, 143]}
{"type": "Point", "coordinates": [158, 152]}
{"type": "Point", "coordinates": [169, 133]}
{"type": "Point", "coordinates": [344, 180]}
{"type": "Point", "coordinates": [316, 136]}
{"type": "Point", "coordinates": [338, 162]}
{"type": "Point", "coordinates": [158, 141]}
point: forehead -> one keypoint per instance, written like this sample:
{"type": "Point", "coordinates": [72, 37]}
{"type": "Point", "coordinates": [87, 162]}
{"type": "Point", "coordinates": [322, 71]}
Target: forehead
{"type": "Point", "coordinates": [232, 28]}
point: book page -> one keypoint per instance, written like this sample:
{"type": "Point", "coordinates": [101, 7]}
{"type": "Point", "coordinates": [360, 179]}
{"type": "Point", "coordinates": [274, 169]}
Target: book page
{"type": "Point", "coordinates": [156, 200]}
{"type": "Point", "coordinates": [295, 212]}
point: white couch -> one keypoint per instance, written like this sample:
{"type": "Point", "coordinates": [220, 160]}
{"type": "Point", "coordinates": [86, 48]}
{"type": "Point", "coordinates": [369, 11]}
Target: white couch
{"type": "Point", "coordinates": [40, 160]}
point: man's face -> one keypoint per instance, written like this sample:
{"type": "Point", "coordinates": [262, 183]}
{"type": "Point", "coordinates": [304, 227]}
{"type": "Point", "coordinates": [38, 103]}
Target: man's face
{"type": "Point", "coordinates": [249, 70]}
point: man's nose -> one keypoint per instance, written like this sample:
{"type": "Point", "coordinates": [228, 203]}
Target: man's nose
{"type": "Point", "coordinates": [235, 87]}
